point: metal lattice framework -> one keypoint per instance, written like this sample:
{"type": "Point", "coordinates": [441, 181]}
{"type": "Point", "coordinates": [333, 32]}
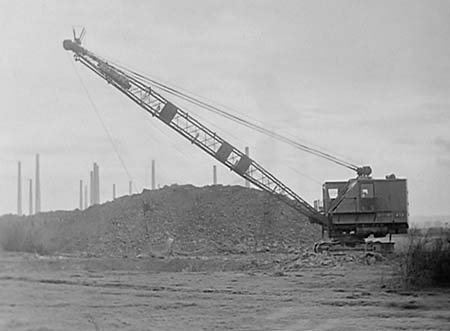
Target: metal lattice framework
{"type": "Point", "coordinates": [179, 120]}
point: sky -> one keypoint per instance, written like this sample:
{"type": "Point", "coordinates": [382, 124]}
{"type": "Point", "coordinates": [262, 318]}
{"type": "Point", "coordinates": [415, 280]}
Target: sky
{"type": "Point", "coordinates": [367, 81]}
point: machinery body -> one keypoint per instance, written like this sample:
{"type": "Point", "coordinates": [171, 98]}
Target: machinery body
{"type": "Point", "coordinates": [366, 206]}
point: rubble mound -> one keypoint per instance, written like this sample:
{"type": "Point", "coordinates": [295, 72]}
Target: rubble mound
{"type": "Point", "coordinates": [177, 219]}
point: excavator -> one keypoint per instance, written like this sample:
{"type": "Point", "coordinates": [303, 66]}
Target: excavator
{"type": "Point", "coordinates": [352, 210]}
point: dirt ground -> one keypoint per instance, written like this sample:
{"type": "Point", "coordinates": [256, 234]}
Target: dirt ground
{"type": "Point", "coordinates": [215, 293]}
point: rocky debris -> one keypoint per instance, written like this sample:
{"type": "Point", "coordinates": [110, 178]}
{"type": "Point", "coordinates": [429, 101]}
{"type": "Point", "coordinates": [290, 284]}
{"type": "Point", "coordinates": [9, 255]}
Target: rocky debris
{"type": "Point", "coordinates": [175, 220]}
{"type": "Point", "coordinates": [310, 259]}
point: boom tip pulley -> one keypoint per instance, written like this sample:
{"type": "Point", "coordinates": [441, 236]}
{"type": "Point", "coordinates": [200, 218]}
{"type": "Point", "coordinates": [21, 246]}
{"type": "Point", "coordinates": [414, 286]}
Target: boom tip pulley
{"type": "Point", "coordinates": [75, 44]}
{"type": "Point", "coordinates": [78, 36]}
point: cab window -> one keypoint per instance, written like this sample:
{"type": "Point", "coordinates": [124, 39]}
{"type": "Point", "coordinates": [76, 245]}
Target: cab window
{"type": "Point", "coordinates": [332, 193]}
{"type": "Point", "coordinates": [366, 190]}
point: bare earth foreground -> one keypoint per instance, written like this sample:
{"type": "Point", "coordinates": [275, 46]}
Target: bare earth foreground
{"type": "Point", "coordinates": [214, 293]}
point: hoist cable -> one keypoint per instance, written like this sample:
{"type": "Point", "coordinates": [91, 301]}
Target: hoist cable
{"type": "Point", "coordinates": [105, 128]}
{"type": "Point", "coordinates": [237, 119]}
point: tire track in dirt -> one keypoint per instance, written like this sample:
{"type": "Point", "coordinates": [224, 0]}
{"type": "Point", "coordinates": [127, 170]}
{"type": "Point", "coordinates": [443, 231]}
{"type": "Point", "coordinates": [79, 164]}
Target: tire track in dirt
{"type": "Point", "coordinates": [147, 288]}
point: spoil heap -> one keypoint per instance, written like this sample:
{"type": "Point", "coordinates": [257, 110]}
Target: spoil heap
{"type": "Point", "coordinates": [200, 221]}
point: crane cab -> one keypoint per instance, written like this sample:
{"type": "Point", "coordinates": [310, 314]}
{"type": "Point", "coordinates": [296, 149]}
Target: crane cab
{"type": "Point", "coordinates": [365, 206]}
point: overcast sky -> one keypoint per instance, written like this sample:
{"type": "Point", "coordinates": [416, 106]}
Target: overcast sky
{"type": "Point", "coordinates": [365, 80]}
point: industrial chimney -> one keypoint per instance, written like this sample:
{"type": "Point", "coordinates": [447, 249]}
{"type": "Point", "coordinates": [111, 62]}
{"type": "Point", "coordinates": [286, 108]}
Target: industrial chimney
{"type": "Point", "coordinates": [214, 174]}
{"type": "Point", "coordinates": [153, 174]}
{"type": "Point", "coordinates": [38, 187]}
{"type": "Point", "coordinates": [96, 184]}
{"type": "Point", "coordinates": [30, 198]}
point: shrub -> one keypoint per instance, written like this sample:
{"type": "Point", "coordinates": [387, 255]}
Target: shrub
{"type": "Point", "coordinates": [426, 261]}
{"type": "Point", "coordinates": [21, 236]}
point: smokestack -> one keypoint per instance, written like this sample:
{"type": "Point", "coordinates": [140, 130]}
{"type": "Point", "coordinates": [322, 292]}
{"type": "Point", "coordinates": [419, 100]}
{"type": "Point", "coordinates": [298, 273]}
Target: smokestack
{"type": "Point", "coordinates": [19, 189]}
{"type": "Point", "coordinates": [91, 188]}
{"type": "Point", "coordinates": [130, 187]}
{"type": "Point", "coordinates": [96, 184]}
{"type": "Point", "coordinates": [153, 175]}
{"type": "Point", "coordinates": [30, 198]}
{"type": "Point", "coordinates": [85, 197]}
{"type": "Point", "coordinates": [214, 175]}
{"type": "Point", "coordinates": [81, 194]}
{"type": "Point", "coordinates": [114, 191]}
{"type": "Point", "coordinates": [38, 187]}
{"type": "Point", "coordinates": [247, 152]}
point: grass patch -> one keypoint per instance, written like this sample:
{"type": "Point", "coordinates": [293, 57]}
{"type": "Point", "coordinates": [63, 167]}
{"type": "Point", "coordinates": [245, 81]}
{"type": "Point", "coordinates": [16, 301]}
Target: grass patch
{"type": "Point", "coordinates": [20, 235]}
{"type": "Point", "coordinates": [425, 262]}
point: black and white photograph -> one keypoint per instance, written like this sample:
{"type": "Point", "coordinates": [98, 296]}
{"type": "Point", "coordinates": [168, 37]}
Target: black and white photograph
{"type": "Point", "coordinates": [224, 165]}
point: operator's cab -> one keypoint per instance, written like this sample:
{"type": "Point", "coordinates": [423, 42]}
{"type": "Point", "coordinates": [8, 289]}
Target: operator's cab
{"type": "Point", "coordinates": [365, 206]}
